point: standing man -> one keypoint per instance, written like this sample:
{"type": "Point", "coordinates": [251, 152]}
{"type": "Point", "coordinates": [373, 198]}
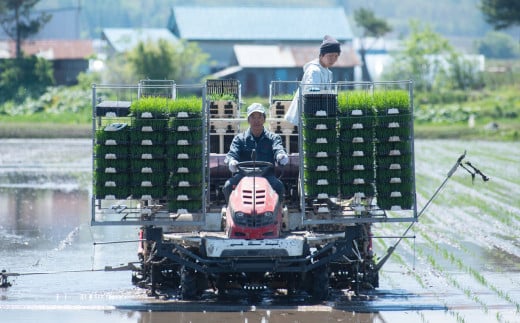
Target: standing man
{"type": "Point", "coordinates": [268, 147]}
{"type": "Point", "coordinates": [316, 74]}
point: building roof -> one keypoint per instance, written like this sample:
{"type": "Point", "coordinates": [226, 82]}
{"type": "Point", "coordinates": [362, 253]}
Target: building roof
{"type": "Point", "coordinates": [259, 23]}
{"type": "Point", "coordinates": [287, 56]}
{"type": "Point", "coordinates": [267, 56]}
{"type": "Point", "coordinates": [124, 39]}
{"type": "Point", "coordinates": [50, 49]}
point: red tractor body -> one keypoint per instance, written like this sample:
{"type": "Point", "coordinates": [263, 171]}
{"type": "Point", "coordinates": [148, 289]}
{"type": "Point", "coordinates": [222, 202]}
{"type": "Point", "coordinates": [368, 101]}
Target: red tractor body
{"type": "Point", "coordinates": [254, 210]}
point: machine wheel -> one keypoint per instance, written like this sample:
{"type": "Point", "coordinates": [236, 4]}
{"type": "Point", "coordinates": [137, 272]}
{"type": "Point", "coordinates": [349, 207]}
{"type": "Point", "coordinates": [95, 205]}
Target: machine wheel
{"type": "Point", "coordinates": [320, 284]}
{"type": "Point", "coordinates": [188, 283]}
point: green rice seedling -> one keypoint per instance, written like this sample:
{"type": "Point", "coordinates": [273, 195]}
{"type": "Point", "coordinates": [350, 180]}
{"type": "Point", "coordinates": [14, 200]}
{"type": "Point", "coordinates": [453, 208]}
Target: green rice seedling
{"type": "Point", "coordinates": [365, 149]}
{"type": "Point", "coordinates": [321, 136]}
{"type": "Point", "coordinates": [192, 149]}
{"type": "Point", "coordinates": [390, 179]}
{"type": "Point", "coordinates": [400, 148]}
{"type": "Point", "coordinates": [394, 116]}
{"type": "Point", "coordinates": [357, 176]}
{"type": "Point", "coordinates": [312, 189]}
{"type": "Point", "coordinates": [319, 123]}
{"type": "Point", "coordinates": [111, 184]}
{"type": "Point", "coordinates": [389, 200]}
{"type": "Point", "coordinates": [147, 152]}
{"type": "Point", "coordinates": [315, 163]}
{"type": "Point", "coordinates": [112, 179]}
{"type": "Point", "coordinates": [156, 166]}
{"type": "Point", "coordinates": [320, 146]}
{"type": "Point", "coordinates": [114, 134]}
{"type": "Point", "coordinates": [194, 178]}
{"type": "Point", "coordinates": [387, 175]}
{"type": "Point", "coordinates": [185, 124]}
{"type": "Point", "coordinates": [387, 188]}
{"type": "Point", "coordinates": [176, 146]}
{"type": "Point", "coordinates": [184, 165]}
{"type": "Point", "coordinates": [111, 151]}
{"type": "Point", "coordinates": [151, 138]}
{"type": "Point", "coordinates": [392, 102]}
{"type": "Point", "coordinates": [395, 125]}
{"type": "Point", "coordinates": [150, 108]}
{"type": "Point", "coordinates": [146, 192]}
{"type": "Point", "coordinates": [347, 162]}
{"type": "Point", "coordinates": [284, 97]}
{"type": "Point", "coordinates": [476, 274]}
{"type": "Point", "coordinates": [349, 136]}
{"type": "Point", "coordinates": [222, 97]}
{"type": "Point", "coordinates": [356, 123]}
{"type": "Point", "coordinates": [355, 103]}
{"type": "Point", "coordinates": [150, 125]}
{"type": "Point", "coordinates": [315, 175]}
{"type": "Point", "coordinates": [185, 107]}
{"type": "Point", "coordinates": [347, 191]}
{"type": "Point", "coordinates": [184, 136]}
{"type": "Point", "coordinates": [149, 179]}
{"type": "Point", "coordinates": [452, 280]}
{"type": "Point", "coordinates": [176, 180]}
{"type": "Point", "coordinates": [394, 162]}
{"type": "Point", "coordinates": [190, 192]}
{"type": "Point", "coordinates": [116, 165]}
{"type": "Point", "coordinates": [117, 192]}
{"type": "Point", "coordinates": [184, 158]}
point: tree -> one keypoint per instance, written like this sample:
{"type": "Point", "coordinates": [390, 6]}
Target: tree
{"type": "Point", "coordinates": [372, 27]}
{"type": "Point", "coordinates": [24, 77]}
{"type": "Point", "coordinates": [498, 45]}
{"type": "Point", "coordinates": [501, 13]}
{"type": "Point", "coordinates": [18, 22]}
{"type": "Point", "coordinates": [432, 63]}
{"type": "Point", "coordinates": [162, 60]}
{"type": "Point", "coordinates": [421, 57]}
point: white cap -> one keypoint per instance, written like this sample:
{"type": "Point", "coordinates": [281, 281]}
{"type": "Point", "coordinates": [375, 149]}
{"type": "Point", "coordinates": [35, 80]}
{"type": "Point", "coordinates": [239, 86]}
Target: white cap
{"type": "Point", "coordinates": [255, 107]}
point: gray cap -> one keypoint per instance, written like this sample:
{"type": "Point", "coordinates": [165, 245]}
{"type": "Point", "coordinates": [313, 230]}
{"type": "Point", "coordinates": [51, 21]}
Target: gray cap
{"type": "Point", "coordinates": [329, 45]}
{"type": "Point", "coordinates": [255, 107]}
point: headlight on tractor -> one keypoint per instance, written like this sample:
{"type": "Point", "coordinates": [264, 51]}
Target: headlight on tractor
{"type": "Point", "coordinates": [268, 214]}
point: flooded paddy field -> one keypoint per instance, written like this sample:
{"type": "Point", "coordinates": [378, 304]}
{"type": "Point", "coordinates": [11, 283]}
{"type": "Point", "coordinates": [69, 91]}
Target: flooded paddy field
{"type": "Point", "coordinates": [463, 264]}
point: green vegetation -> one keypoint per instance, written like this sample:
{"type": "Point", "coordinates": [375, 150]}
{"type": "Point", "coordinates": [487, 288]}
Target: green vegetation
{"type": "Point", "coordinates": [371, 26]}
{"type": "Point", "coordinates": [191, 105]}
{"type": "Point", "coordinates": [67, 112]}
{"type": "Point", "coordinates": [351, 100]}
{"type": "Point", "coordinates": [498, 45]}
{"type": "Point", "coordinates": [157, 107]}
{"type": "Point", "coordinates": [23, 77]}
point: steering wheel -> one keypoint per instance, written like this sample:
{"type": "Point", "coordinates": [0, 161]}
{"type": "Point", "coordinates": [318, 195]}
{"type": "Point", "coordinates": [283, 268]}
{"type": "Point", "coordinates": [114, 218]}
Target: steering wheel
{"type": "Point", "coordinates": [252, 168]}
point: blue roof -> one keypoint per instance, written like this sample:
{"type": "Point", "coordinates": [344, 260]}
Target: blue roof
{"type": "Point", "coordinates": [260, 23]}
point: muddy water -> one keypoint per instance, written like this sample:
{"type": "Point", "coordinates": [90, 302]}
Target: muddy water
{"type": "Point", "coordinates": [462, 266]}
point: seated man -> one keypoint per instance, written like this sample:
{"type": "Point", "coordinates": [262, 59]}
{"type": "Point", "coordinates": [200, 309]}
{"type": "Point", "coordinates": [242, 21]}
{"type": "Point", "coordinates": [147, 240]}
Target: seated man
{"type": "Point", "coordinates": [268, 147]}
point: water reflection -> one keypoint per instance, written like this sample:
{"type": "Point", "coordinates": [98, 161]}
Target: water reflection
{"type": "Point", "coordinates": [44, 189]}
{"type": "Point", "coordinates": [42, 213]}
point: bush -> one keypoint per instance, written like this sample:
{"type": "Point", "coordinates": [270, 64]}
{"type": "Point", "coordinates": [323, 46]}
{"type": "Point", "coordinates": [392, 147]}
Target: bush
{"type": "Point", "coordinates": [24, 77]}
